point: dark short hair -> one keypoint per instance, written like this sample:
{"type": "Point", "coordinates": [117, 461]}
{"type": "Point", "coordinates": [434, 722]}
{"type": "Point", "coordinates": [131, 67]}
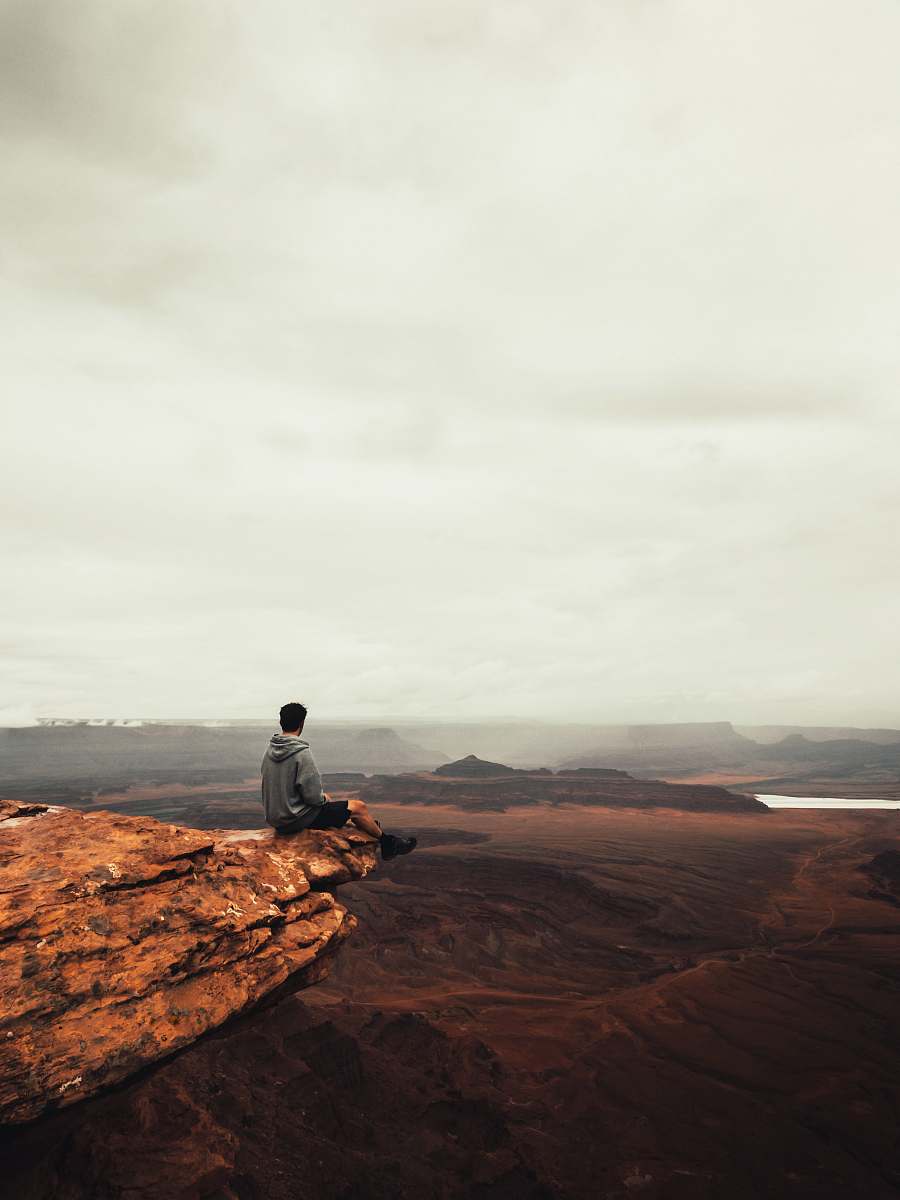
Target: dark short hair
{"type": "Point", "coordinates": [292, 715]}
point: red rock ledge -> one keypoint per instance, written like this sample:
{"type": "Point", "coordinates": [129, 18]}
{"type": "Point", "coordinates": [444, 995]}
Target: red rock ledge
{"type": "Point", "coordinates": [123, 939]}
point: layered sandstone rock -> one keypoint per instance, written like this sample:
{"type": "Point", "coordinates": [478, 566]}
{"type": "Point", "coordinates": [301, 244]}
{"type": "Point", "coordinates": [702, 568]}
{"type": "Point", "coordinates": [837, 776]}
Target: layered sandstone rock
{"type": "Point", "coordinates": [123, 939]}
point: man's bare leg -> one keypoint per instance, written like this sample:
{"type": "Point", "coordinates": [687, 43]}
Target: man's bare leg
{"type": "Point", "coordinates": [363, 819]}
{"type": "Point", "coordinates": [391, 846]}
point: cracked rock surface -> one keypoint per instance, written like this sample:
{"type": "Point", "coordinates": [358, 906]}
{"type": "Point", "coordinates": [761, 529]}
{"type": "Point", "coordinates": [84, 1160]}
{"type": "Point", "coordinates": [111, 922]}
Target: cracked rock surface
{"type": "Point", "coordinates": [123, 939]}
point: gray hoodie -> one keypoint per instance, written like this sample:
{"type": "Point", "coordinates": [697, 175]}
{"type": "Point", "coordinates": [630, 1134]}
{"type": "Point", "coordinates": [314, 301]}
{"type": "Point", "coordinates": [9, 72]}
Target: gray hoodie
{"type": "Point", "coordinates": [291, 784]}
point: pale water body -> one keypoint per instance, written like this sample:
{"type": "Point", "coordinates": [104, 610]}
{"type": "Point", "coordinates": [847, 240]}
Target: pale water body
{"type": "Point", "coordinates": [824, 802]}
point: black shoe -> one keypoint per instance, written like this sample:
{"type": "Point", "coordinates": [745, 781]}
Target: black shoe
{"type": "Point", "coordinates": [391, 846]}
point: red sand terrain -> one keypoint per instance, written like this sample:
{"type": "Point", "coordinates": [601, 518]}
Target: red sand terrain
{"type": "Point", "coordinates": [547, 1003]}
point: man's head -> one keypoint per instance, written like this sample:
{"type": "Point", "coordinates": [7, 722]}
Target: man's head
{"type": "Point", "coordinates": [292, 717]}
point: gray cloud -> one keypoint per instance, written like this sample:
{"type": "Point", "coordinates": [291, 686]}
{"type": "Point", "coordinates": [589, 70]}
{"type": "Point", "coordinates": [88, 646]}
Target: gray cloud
{"type": "Point", "coordinates": [112, 82]}
{"type": "Point", "coordinates": [491, 357]}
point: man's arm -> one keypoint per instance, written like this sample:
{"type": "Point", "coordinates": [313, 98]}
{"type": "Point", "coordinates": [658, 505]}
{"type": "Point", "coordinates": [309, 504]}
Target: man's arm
{"type": "Point", "coordinates": [309, 781]}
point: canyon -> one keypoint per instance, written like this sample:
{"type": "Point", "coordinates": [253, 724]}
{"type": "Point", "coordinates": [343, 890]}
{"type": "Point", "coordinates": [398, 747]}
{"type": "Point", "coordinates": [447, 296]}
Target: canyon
{"type": "Point", "coordinates": [552, 1001]}
{"type": "Point", "coordinates": [76, 763]}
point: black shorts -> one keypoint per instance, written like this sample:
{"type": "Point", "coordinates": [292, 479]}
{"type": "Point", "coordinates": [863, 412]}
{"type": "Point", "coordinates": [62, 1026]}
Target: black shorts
{"type": "Point", "coordinates": [333, 815]}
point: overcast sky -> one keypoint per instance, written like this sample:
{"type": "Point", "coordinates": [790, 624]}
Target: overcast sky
{"type": "Point", "coordinates": [470, 359]}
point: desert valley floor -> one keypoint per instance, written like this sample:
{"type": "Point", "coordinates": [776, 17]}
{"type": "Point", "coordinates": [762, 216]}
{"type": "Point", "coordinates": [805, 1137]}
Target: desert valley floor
{"type": "Point", "coordinates": [567, 1002]}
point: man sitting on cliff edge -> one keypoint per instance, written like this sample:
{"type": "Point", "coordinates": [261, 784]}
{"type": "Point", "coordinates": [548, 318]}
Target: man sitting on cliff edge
{"type": "Point", "coordinates": [292, 790]}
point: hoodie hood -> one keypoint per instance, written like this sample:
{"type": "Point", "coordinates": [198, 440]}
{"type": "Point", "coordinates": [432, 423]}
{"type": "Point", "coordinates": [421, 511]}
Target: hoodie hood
{"type": "Point", "coordinates": [283, 745]}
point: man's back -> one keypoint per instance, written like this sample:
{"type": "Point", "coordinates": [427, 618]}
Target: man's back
{"type": "Point", "coordinates": [291, 784]}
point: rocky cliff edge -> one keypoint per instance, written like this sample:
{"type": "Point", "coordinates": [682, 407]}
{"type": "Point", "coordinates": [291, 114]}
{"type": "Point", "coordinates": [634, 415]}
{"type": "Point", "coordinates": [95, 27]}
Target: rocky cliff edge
{"type": "Point", "coordinates": [123, 939]}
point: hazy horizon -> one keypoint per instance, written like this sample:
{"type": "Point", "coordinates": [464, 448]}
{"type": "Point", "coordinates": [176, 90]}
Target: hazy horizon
{"type": "Point", "coordinates": [422, 362]}
{"type": "Point", "coordinates": [394, 721]}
